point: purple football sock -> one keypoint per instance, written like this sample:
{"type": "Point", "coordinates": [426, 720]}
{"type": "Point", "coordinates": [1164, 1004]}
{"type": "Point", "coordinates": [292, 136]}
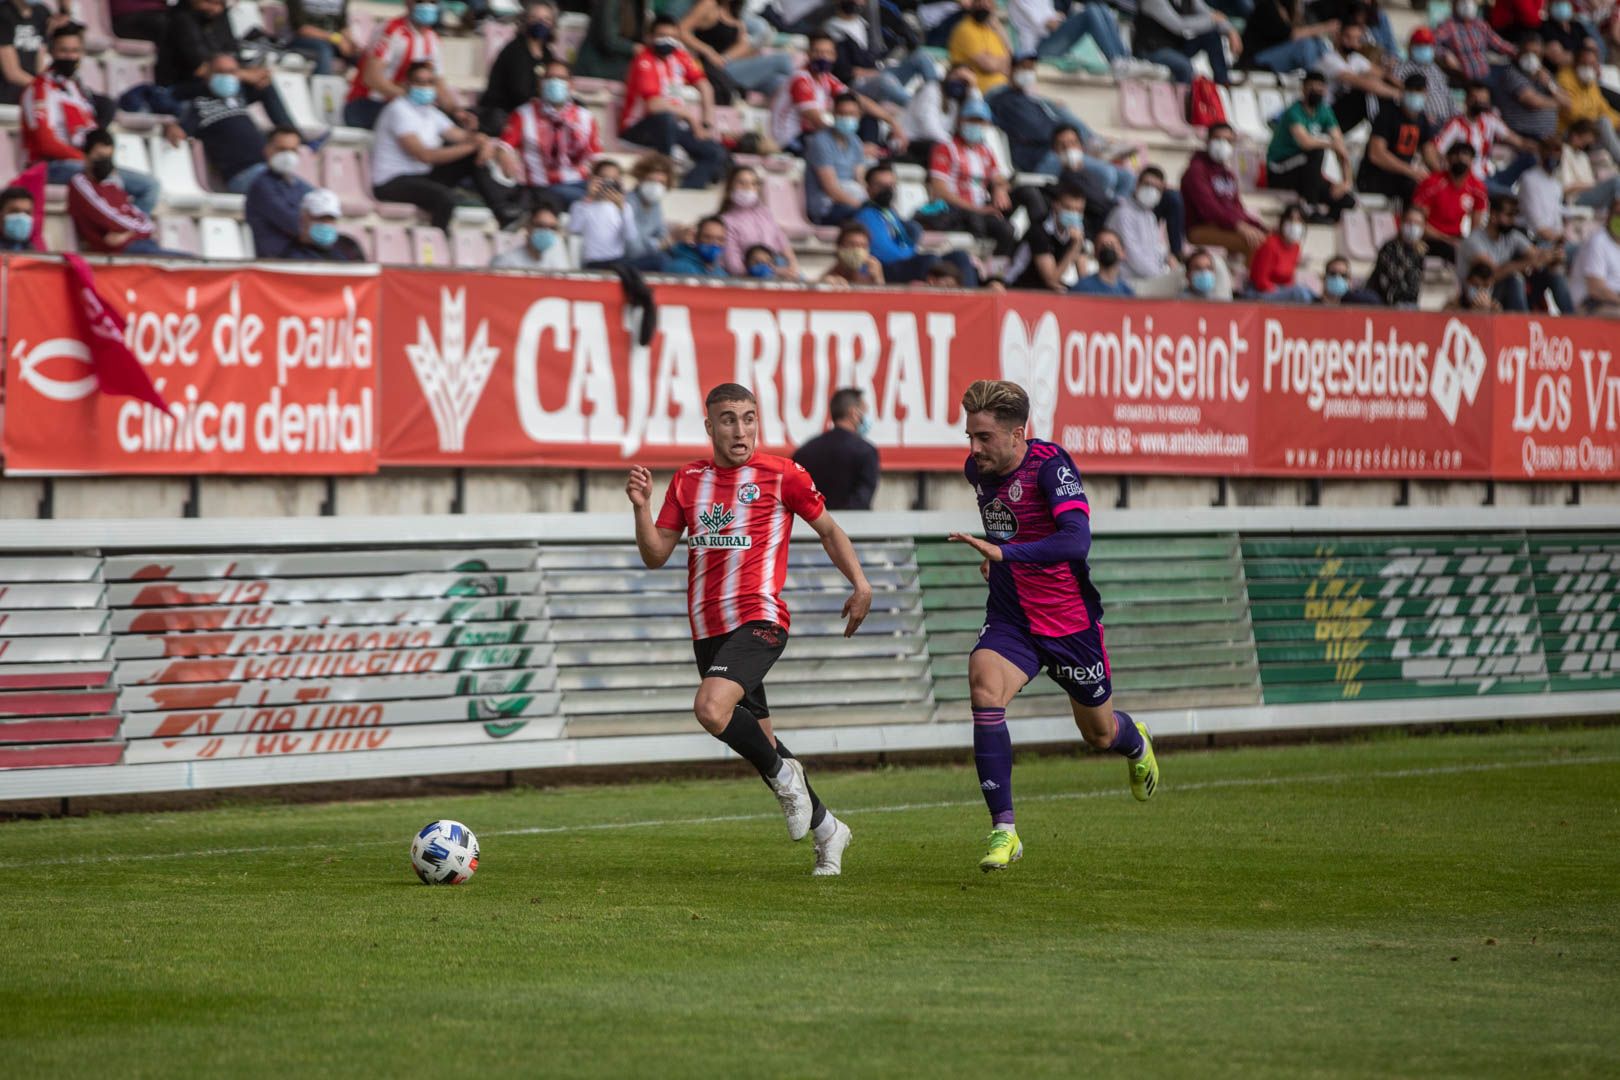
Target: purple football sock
{"type": "Point", "coordinates": [1127, 739]}
{"type": "Point", "coordinates": [992, 755]}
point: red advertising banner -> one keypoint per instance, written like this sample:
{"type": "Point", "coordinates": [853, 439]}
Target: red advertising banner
{"type": "Point", "coordinates": [264, 372]}
{"type": "Point", "coordinates": [1134, 386]}
{"type": "Point", "coordinates": [545, 371]}
{"type": "Point", "coordinates": [1557, 399]}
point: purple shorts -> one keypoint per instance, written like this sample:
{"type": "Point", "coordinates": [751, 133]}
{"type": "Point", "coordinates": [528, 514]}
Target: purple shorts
{"type": "Point", "coordinates": [1076, 662]}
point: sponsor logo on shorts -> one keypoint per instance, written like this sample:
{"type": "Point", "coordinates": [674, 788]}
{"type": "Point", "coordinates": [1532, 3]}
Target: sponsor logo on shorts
{"type": "Point", "coordinates": [747, 493]}
{"type": "Point", "coordinates": [717, 667]}
{"type": "Point", "coordinates": [1000, 523]}
{"type": "Point", "coordinates": [720, 540]}
{"type": "Point", "coordinates": [769, 637]}
{"type": "Point", "coordinates": [1075, 673]}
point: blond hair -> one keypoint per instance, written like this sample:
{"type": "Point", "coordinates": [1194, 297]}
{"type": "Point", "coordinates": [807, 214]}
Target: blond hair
{"type": "Point", "coordinates": [1004, 400]}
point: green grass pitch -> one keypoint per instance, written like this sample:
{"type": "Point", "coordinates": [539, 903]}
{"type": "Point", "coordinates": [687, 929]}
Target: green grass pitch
{"type": "Point", "coordinates": [1436, 906]}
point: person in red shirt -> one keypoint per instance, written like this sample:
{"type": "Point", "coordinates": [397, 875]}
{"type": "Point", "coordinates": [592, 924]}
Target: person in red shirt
{"type": "Point", "coordinates": [106, 220]}
{"type": "Point", "coordinates": [655, 116]}
{"type": "Point", "coordinates": [381, 77]}
{"type": "Point", "coordinates": [1451, 198]}
{"type": "Point", "coordinates": [555, 138]}
{"type": "Point", "coordinates": [737, 509]}
{"type": "Point", "coordinates": [970, 194]}
{"type": "Point", "coordinates": [1271, 270]}
{"type": "Point", "coordinates": [804, 104]}
{"type": "Point", "coordinates": [1510, 18]}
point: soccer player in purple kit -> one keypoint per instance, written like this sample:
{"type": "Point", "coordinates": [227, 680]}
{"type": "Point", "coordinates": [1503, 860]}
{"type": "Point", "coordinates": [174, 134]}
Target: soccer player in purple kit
{"type": "Point", "coordinates": [1043, 609]}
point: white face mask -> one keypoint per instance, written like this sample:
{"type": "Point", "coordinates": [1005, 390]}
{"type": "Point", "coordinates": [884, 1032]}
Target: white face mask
{"type": "Point", "coordinates": [1073, 158]}
{"type": "Point", "coordinates": [1147, 196]}
{"type": "Point", "coordinates": [1529, 63]}
{"type": "Point", "coordinates": [1411, 232]}
{"type": "Point", "coordinates": [1587, 74]}
{"type": "Point", "coordinates": [284, 162]}
{"type": "Point", "coordinates": [1293, 232]}
{"type": "Point", "coordinates": [1023, 79]}
{"type": "Point", "coordinates": [1221, 151]}
{"type": "Point", "coordinates": [744, 199]}
{"type": "Point", "coordinates": [652, 192]}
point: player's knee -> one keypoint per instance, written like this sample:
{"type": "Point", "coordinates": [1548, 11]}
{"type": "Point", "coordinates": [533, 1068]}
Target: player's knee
{"type": "Point", "coordinates": [1096, 737]}
{"type": "Point", "coordinates": [985, 689]}
{"type": "Point", "coordinates": [713, 713]}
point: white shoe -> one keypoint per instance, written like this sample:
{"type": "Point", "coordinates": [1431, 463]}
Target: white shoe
{"type": "Point", "coordinates": [830, 855]}
{"type": "Point", "coordinates": [794, 797]}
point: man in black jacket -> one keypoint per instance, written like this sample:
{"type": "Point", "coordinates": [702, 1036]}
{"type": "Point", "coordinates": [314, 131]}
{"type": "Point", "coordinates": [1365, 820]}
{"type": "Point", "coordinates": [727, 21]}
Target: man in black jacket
{"type": "Point", "coordinates": [842, 463]}
{"type": "Point", "coordinates": [513, 77]}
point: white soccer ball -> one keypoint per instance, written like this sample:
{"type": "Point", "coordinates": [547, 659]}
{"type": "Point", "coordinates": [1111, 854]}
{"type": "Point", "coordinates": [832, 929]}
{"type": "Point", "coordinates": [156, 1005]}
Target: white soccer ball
{"type": "Point", "coordinates": [444, 853]}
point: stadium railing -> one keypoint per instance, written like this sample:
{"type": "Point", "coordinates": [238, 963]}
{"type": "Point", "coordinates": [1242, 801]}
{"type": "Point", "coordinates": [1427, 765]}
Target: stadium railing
{"type": "Point", "coordinates": [142, 656]}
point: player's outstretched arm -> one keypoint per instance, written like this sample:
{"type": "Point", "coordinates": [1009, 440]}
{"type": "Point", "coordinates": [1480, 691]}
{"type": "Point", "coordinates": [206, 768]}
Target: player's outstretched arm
{"type": "Point", "coordinates": [655, 545]}
{"type": "Point", "coordinates": [842, 553]}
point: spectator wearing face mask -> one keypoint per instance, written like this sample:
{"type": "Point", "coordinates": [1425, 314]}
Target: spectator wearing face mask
{"type": "Point", "coordinates": [319, 239]}
{"type": "Point", "coordinates": [58, 113]}
{"type": "Point", "coordinates": [1203, 278]}
{"type": "Point", "coordinates": [105, 218]}
{"type": "Point", "coordinates": [748, 222]}
{"type": "Point", "coordinates": [554, 139]}
{"type": "Point", "coordinates": [1464, 42]}
{"type": "Point", "coordinates": [931, 117]}
{"type": "Point", "coordinates": [1520, 271]}
{"type": "Point", "coordinates": [1300, 142]}
{"type": "Point", "coordinates": [384, 74]}
{"type": "Point", "coordinates": [275, 200]}
{"type": "Point", "coordinates": [220, 120]}
{"type": "Point", "coordinates": [841, 462]}
{"type": "Point", "coordinates": [657, 117]}
{"type": "Point", "coordinates": [1440, 106]}
{"type": "Point", "coordinates": [833, 159]}
{"type": "Point", "coordinates": [653, 174]}
{"type": "Point", "coordinates": [1215, 212]}
{"type": "Point", "coordinates": [1143, 234]}
{"type": "Point", "coordinates": [1475, 295]}
{"type": "Point", "coordinates": [1274, 265]}
{"type": "Point", "coordinates": [1109, 277]}
{"type": "Point", "coordinates": [980, 42]}
{"type": "Point", "coordinates": [1032, 125]}
{"type": "Point", "coordinates": [1481, 127]}
{"type": "Point", "coordinates": [1401, 152]}
{"type": "Point", "coordinates": [1453, 200]}
{"type": "Point", "coordinates": [1527, 94]}
{"type": "Point", "coordinates": [1595, 284]}
{"type": "Point", "coordinates": [804, 104]}
{"type": "Point", "coordinates": [514, 77]}
{"type": "Point", "coordinates": [1356, 89]}
{"type": "Point", "coordinates": [16, 220]}
{"type": "Point", "coordinates": [894, 239]}
{"type": "Point", "coordinates": [1337, 288]}
{"type": "Point", "coordinates": [1576, 173]}
{"type": "Point", "coordinates": [1071, 171]}
{"type": "Point", "coordinates": [1052, 250]}
{"type": "Point", "coordinates": [543, 247]}
{"type": "Point", "coordinates": [1541, 193]}
{"type": "Point", "coordinates": [969, 193]}
{"type": "Point", "coordinates": [853, 262]}
{"type": "Point", "coordinates": [759, 263]}
{"type": "Point", "coordinates": [605, 224]}
{"type": "Point", "coordinates": [1563, 36]}
{"type": "Point", "coordinates": [702, 255]}
{"type": "Point", "coordinates": [1397, 274]}
{"type": "Point", "coordinates": [1586, 99]}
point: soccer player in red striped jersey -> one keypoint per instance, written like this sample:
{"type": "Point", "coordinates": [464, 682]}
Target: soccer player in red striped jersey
{"type": "Point", "coordinates": [1043, 610]}
{"type": "Point", "coordinates": [737, 511]}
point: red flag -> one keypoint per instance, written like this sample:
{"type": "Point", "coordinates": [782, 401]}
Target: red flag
{"type": "Point", "coordinates": [32, 180]}
{"type": "Point", "coordinates": [117, 370]}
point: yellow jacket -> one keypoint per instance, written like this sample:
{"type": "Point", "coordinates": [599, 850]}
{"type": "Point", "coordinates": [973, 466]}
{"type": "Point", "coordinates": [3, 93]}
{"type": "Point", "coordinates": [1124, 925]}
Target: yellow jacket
{"type": "Point", "coordinates": [1586, 102]}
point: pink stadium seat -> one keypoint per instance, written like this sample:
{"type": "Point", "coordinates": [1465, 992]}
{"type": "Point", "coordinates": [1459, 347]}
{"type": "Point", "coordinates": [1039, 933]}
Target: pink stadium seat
{"type": "Point", "coordinates": [363, 25]}
{"type": "Point", "coordinates": [93, 75]}
{"type": "Point", "coordinates": [786, 203]}
{"type": "Point", "coordinates": [97, 23]}
{"type": "Point", "coordinates": [364, 238]}
{"type": "Point", "coordinates": [179, 233]}
{"type": "Point", "coordinates": [496, 36]}
{"type": "Point", "coordinates": [1356, 236]}
{"type": "Point", "coordinates": [396, 211]}
{"type": "Point", "coordinates": [1169, 110]}
{"type": "Point", "coordinates": [471, 247]}
{"type": "Point", "coordinates": [393, 245]}
{"type": "Point", "coordinates": [124, 72]}
{"type": "Point", "coordinates": [430, 246]}
{"type": "Point", "coordinates": [309, 166]}
{"type": "Point", "coordinates": [1384, 227]}
{"type": "Point", "coordinates": [728, 120]}
{"type": "Point", "coordinates": [275, 16]}
{"type": "Point", "coordinates": [344, 170]}
{"type": "Point", "coordinates": [1135, 108]}
{"type": "Point", "coordinates": [10, 159]}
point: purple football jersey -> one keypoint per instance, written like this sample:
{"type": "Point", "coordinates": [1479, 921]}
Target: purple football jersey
{"type": "Point", "coordinates": [1049, 599]}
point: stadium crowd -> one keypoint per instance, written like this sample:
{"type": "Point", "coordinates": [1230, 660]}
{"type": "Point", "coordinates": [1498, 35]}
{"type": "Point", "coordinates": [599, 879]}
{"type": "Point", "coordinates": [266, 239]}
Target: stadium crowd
{"type": "Point", "coordinates": [1490, 137]}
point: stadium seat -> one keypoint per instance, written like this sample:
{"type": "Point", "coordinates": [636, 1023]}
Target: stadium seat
{"type": "Point", "coordinates": [1356, 236]}
{"type": "Point", "coordinates": [124, 72]}
{"type": "Point", "coordinates": [1170, 110]}
{"type": "Point", "coordinates": [785, 201]}
{"type": "Point", "coordinates": [175, 170]}
{"type": "Point", "coordinates": [329, 93]}
{"type": "Point", "coordinates": [309, 166]}
{"type": "Point", "coordinates": [1245, 115]}
{"type": "Point", "coordinates": [393, 244]}
{"type": "Point", "coordinates": [10, 158]}
{"type": "Point", "coordinates": [1384, 227]}
{"type": "Point", "coordinates": [93, 75]}
{"type": "Point", "coordinates": [998, 146]}
{"type": "Point", "coordinates": [509, 241]}
{"type": "Point", "coordinates": [471, 247]}
{"type": "Point", "coordinates": [363, 237]}
{"type": "Point", "coordinates": [343, 169]}
{"type": "Point", "coordinates": [430, 247]}
{"type": "Point", "coordinates": [1135, 108]}
{"type": "Point", "coordinates": [246, 19]}
{"type": "Point", "coordinates": [294, 91]}
{"type": "Point", "coordinates": [178, 232]}
{"type": "Point", "coordinates": [909, 197]}
{"type": "Point", "coordinates": [129, 150]}
{"type": "Point", "coordinates": [97, 22]}
{"type": "Point", "coordinates": [1271, 106]}
{"type": "Point", "coordinates": [222, 239]}
{"type": "Point", "coordinates": [364, 24]}
{"type": "Point", "coordinates": [571, 29]}
{"type": "Point", "coordinates": [497, 33]}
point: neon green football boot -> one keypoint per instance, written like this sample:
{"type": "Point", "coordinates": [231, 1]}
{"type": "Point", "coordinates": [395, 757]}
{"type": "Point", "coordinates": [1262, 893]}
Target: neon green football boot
{"type": "Point", "coordinates": [1144, 770]}
{"type": "Point", "coordinates": [1005, 849]}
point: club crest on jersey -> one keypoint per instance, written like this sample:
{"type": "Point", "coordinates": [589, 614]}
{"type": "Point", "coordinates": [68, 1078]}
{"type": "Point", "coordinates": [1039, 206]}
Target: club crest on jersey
{"type": "Point", "coordinates": [1015, 492]}
{"type": "Point", "coordinates": [1000, 523]}
{"type": "Point", "coordinates": [747, 493]}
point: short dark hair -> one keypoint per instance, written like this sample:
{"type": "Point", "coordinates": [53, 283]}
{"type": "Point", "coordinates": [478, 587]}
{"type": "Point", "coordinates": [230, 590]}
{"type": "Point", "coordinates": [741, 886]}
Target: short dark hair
{"type": "Point", "coordinates": [660, 19]}
{"type": "Point", "coordinates": [284, 129]}
{"type": "Point", "coordinates": [1475, 85]}
{"type": "Point", "coordinates": [1061, 128]}
{"type": "Point", "coordinates": [712, 219]}
{"type": "Point", "coordinates": [15, 192]}
{"type": "Point", "coordinates": [67, 30]}
{"type": "Point", "coordinates": [1461, 146]}
{"type": "Point", "coordinates": [546, 204]}
{"type": "Point", "coordinates": [945, 270]}
{"type": "Point", "coordinates": [846, 98]}
{"type": "Point", "coordinates": [98, 137]}
{"type": "Point", "coordinates": [1152, 171]}
{"type": "Point", "coordinates": [729, 391]}
{"type": "Point", "coordinates": [1415, 81]}
{"type": "Point", "coordinates": [1503, 202]}
{"type": "Point", "coordinates": [880, 167]}
{"type": "Point", "coordinates": [1071, 189]}
{"type": "Point", "coordinates": [1220, 127]}
{"type": "Point", "coordinates": [605, 163]}
{"type": "Point", "coordinates": [759, 249]}
{"type": "Point", "coordinates": [1584, 126]}
{"type": "Point", "coordinates": [819, 35]}
{"type": "Point", "coordinates": [1313, 76]}
{"type": "Point", "coordinates": [844, 402]}
{"type": "Point", "coordinates": [415, 66]}
{"type": "Point", "coordinates": [1529, 37]}
{"type": "Point", "coordinates": [854, 228]}
{"type": "Point", "coordinates": [1480, 268]}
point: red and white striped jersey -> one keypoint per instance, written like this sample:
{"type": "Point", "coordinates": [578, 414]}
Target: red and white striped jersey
{"type": "Point", "coordinates": [967, 167]}
{"type": "Point", "coordinates": [737, 523]}
{"type": "Point", "coordinates": [398, 45]}
{"type": "Point", "coordinates": [556, 146]}
{"type": "Point", "coordinates": [56, 116]}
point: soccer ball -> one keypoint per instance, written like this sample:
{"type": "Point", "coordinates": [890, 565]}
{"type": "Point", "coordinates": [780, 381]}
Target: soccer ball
{"type": "Point", "coordinates": [444, 853]}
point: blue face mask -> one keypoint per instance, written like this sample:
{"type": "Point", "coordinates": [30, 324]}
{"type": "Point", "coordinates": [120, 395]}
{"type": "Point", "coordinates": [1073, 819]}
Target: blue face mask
{"type": "Point", "coordinates": [424, 95]}
{"type": "Point", "coordinates": [554, 90]}
{"type": "Point", "coordinates": [863, 426]}
{"type": "Point", "coordinates": [973, 134]}
{"type": "Point", "coordinates": [1203, 282]}
{"type": "Point", "coordinates": [709, 253]}
{"type": "Point", "coordinates": [848, 125]}
{"type": "Point", "coordinates": [542, 239]}
{"type": "Point", "coordinates": [1336, 285]}
{"type": "Point", "coordinates": [1414, 102]}
{"type": "Point", "coordinates": [1423, 54]}
{"type": "Point", "coordinates": [323, 234]}
{"type": "Point", "coordinates": [19, 227]}
{"type": "Point", "coordinates": [761, 270]}
{"type": "Point", "coordinates": [224, 86]}
{"type": "Point", "coordinates": [425, 14]}
{"type": "Point", "coordinates": [1563, 12]}
{"type": "Point", "coordinates": [1071, 219]}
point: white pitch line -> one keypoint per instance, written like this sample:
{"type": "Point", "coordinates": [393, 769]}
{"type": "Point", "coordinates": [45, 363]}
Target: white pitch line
{"type": "Point", "coordinates": [895, 808]}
